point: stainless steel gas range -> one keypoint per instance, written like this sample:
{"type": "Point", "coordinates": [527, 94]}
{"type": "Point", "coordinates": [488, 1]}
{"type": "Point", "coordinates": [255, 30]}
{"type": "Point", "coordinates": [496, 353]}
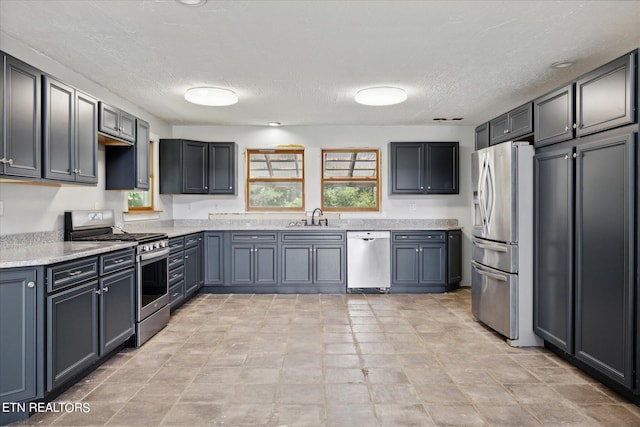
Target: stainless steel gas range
{"type": "Point", "coordinates": [152, 255]}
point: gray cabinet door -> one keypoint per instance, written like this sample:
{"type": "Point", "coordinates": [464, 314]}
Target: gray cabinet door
{"type": "Point", "coordinates": [58, 130]}
{"type": "Point", "coordinates": [553, 247]}
{"type": "Point", "coordinates": [86, 138]}
{"type": "Point", "coordinates": [407, 166]}
{"type": "Point", "coordinates": [329, 264]}
{"type": "Point", "coordinates": [213, 259]}
{"type": "Point", "coordinates": [127, 126]}
{"type": "Point", "coordinates": [605, 255]}
{"type": "Point", "coordinates": [18, 334]}
{"type": "Point", "coordinates": [297, 264]}
{"type": "Point", "coordinates": [72, 332]}
{"type": "Point", "coordinates": [605, 96]}
{"type": "Point", "coordinates": [433, 264]}
{"type": "Point", "coordinates": [109, 119]}
{"type": "Point", "coordinates": [142, 149]}
{"type": "Point", "coordinates": [20, 119]}
{"type": "Point", "coordinates": [194, 167]}
{"type": "Point", "coordinates": [454, 256]}
{"type": "Point", "coordinates": [482, 136]}
{"type": "Point", "coordinates": [554, 117]}
{"type": "Point", "coordinates": [265, 258]}
{"type": "Point", "coordinates": [221, 173]}
{"type": "Point", "coordinates": [405, 265]}
{"type": "Point", "coordinates": [241, 265]}
{"type": "Point", "coordinates": [117, 304]}
{"type": "Point", "coordinates": [441, 172]}
{"type": "Point", "coordinates": [512, 125]}
{"type": "Point", "coordinates": [192, 260]}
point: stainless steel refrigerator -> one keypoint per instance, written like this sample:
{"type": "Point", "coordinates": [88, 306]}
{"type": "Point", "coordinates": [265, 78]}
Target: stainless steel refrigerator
{"type": "Point", "coordinates": [502, 238]}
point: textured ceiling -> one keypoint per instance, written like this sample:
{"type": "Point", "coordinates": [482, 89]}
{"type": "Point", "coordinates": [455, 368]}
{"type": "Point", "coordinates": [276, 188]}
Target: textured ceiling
{"type": "Point", "coordinates": [301, 62]}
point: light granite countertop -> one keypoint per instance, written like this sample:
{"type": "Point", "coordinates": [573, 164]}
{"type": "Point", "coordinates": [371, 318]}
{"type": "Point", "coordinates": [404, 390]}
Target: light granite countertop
{"type": "Point", "coordinates": [52, 253]}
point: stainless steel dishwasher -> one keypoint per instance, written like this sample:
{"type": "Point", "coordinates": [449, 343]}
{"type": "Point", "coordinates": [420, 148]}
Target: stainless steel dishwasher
{"type": "Point", "coordinates": [369, 259]}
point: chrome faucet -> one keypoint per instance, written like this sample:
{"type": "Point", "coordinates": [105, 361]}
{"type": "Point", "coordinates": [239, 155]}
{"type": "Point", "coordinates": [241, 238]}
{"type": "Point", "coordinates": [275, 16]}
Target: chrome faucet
{"type": "Point", "coordinates": [313, 214]}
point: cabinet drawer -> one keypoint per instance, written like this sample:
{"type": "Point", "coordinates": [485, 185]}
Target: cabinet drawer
{"type": "Point", "coordinates": [254, 237]}
{"type": "Point", "coordinates": [429, 236]}
{"type": "Point", "coordinates": [176, 244]}
{"type": "Point", "coordinates": [191, 240]}
{"type": "Point", "coordinates": [176, 275]}
{"type": "Point", "coordinates": [176, 260]}
{"type": "Point", "coordinates": [71, 273]}
{"type": "Point", "coordinates": [323, 236]}
{"type": "Point", "coordinates": [117, 261]}
{"type": "Point", "coordinates": [176, 293]}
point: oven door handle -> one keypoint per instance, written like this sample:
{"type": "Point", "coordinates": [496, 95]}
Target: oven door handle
{"type": "Point", "coordinates": [152, 255]}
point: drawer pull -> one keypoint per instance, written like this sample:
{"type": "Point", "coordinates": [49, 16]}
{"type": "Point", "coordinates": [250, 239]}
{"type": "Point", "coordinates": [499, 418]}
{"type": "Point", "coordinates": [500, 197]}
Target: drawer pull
{"type": "Point", "coordinates": [75, 273]}
{"type": "Point", "coordinates": [173, 276]}
{"type": "Point", "coordinates": [119, 261]}
{"type": "Point", "coordinates": [31, 285]}
{"type": "Point", "coordinates": [174, 295]}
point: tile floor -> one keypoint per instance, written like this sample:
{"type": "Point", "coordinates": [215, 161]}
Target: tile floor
{"type": "Point", "coordinates": [336, 360]}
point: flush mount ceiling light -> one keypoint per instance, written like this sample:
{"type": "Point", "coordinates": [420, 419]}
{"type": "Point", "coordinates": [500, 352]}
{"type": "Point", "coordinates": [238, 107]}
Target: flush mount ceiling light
{"type": "Point", "coordinates": [193, 3]}
{"type": "Point", "coordinates": [211, 96]}
{"type": "Point", "coordinates": [562, 64]}
{"type": "Point", "coordinates": [378, 96]}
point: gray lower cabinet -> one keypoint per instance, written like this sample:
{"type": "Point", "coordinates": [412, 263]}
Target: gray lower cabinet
{"type": "Point", "coordinates": [21, 338]}
{"type": "Point", "coordinates": [192, 263]}
{"type": "Point", "coordinates": [425, 261]}
{"type": "Point", "coordinates": [90, 312]}
{"type": "Point", "coordinates": [254, 259]}
{"type": "Point", "coordinates": [72, 332]}
{"type": "Point", "coordinates": [177, 292]}
{"type": "Point", "coordinates": [589, 187]}
{"type": "Point", "coordinates": [313, 262]}
{"type": "Point", "coordinates": [213, 258]}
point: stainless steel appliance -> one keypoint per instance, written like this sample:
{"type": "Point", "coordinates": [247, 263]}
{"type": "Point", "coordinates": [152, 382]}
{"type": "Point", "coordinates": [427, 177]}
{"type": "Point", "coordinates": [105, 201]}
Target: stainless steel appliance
{"type": "Point", "coordinates": [152, 255]}
{"type": "Point", "coordinates": [502, 252]}
{"type": "Point", "coordinates": [369, 259]}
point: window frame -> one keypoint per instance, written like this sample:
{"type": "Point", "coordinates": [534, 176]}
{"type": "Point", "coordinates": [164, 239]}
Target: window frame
{"type": "Point", "coordinates": [151, 190]}
{"type": "Point", "coordinates": [376, 179]}
{"type": "Point", "coordinates": [249, 180]}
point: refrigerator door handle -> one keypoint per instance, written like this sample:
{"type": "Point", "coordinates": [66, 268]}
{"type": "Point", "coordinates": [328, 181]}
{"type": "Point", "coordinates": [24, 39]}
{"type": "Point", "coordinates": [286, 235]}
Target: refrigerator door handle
{"type": "Point", "coordinates": [482, 272]}
{"type": "Point", "coordinates": [481, 195]}
{"type": "Point", "coordinates": [494, 248]}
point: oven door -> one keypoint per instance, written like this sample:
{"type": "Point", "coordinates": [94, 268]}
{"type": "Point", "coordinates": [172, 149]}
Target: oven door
{"type": "Point", "coordinates": [153, 283]}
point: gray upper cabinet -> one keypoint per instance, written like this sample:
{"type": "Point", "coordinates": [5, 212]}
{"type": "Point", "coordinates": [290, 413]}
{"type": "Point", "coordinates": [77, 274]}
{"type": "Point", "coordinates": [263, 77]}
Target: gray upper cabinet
{"type": "Point", "coordinates": [117, 123]}
{"type": "Point", "coordinates": [128, 167]}
{"type": "Point", "coordinates": [195, 167]}
{"type": "Point", "coordinates": [69, 133]}
{"type": "Point", "coordinates": [554, 116]}
{"type": "Point", "coordinates": [424, 168]}
{"type": "Point", "coordinates": [605, 97]}
{"type": "Point", "coordinates": [482, 136]}
{"type": "Point", "coordinates": [20, 121]}
{"type": "Point", "coordinates": [514, 124]}
{"type": "Point", "coordinates": [21, 301]}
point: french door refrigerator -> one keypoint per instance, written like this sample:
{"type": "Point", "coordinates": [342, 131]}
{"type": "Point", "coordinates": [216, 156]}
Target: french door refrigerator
{"type": "Point", "coordinates": [502, 239]}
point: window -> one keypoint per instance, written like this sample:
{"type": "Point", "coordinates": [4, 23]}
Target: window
{"type": "Point", "coordinates": [350, 180]}
{"type": "Point", "coordinates": [142, 200]}
{"type": "Point", "coordinates": [275, 180]}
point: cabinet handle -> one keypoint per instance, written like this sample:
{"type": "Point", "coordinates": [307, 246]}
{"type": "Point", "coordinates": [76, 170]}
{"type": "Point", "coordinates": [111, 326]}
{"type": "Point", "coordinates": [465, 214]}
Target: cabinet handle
{"type": "Point", "coordinates": [31, 285]}
{"type": "Point", "coordinates": [575, 155]}
{"type": "Point", "coordinates": [416, 249]}
{"type": "Point", "coordinates": [118, 261]}
{"type": "Point", "coordinates": [173, 276]}
{"type": "Point", "coordinates": [206, 188]}
{"type": "Point", "coordinates": [174, 295]}
{"type": "Point", "coordinates": [98, 292]}
{"type": "Point", "coordinates": [106, 289]}
{"type": "Point", "coordinates": [429, 188]}
{"type": "Point", "coordinates": [186, 256]}
{"type": "Point", "coordinates": [75, 273]}
{"type": "Point", "coordinates": [10, 162]}
{"type": "Point", "coordinates": [566, 128]}
{"type": "Point", "coordinates": [505, 131]}
{"type": "Point", "coordinates": [422, 188]}
{"type": "Point", "coordinates": [575, 125]}
{"type": "Point", "coordinates": [451, 237]}
{"type": "Point", "coordinates": [230, 188]}
{"type": "Point", "coordinates": [6, 161]}
{"type": "Point", "coordinates": [566, 157]}
{"type": "Point", "coordinates": [429, 237]}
